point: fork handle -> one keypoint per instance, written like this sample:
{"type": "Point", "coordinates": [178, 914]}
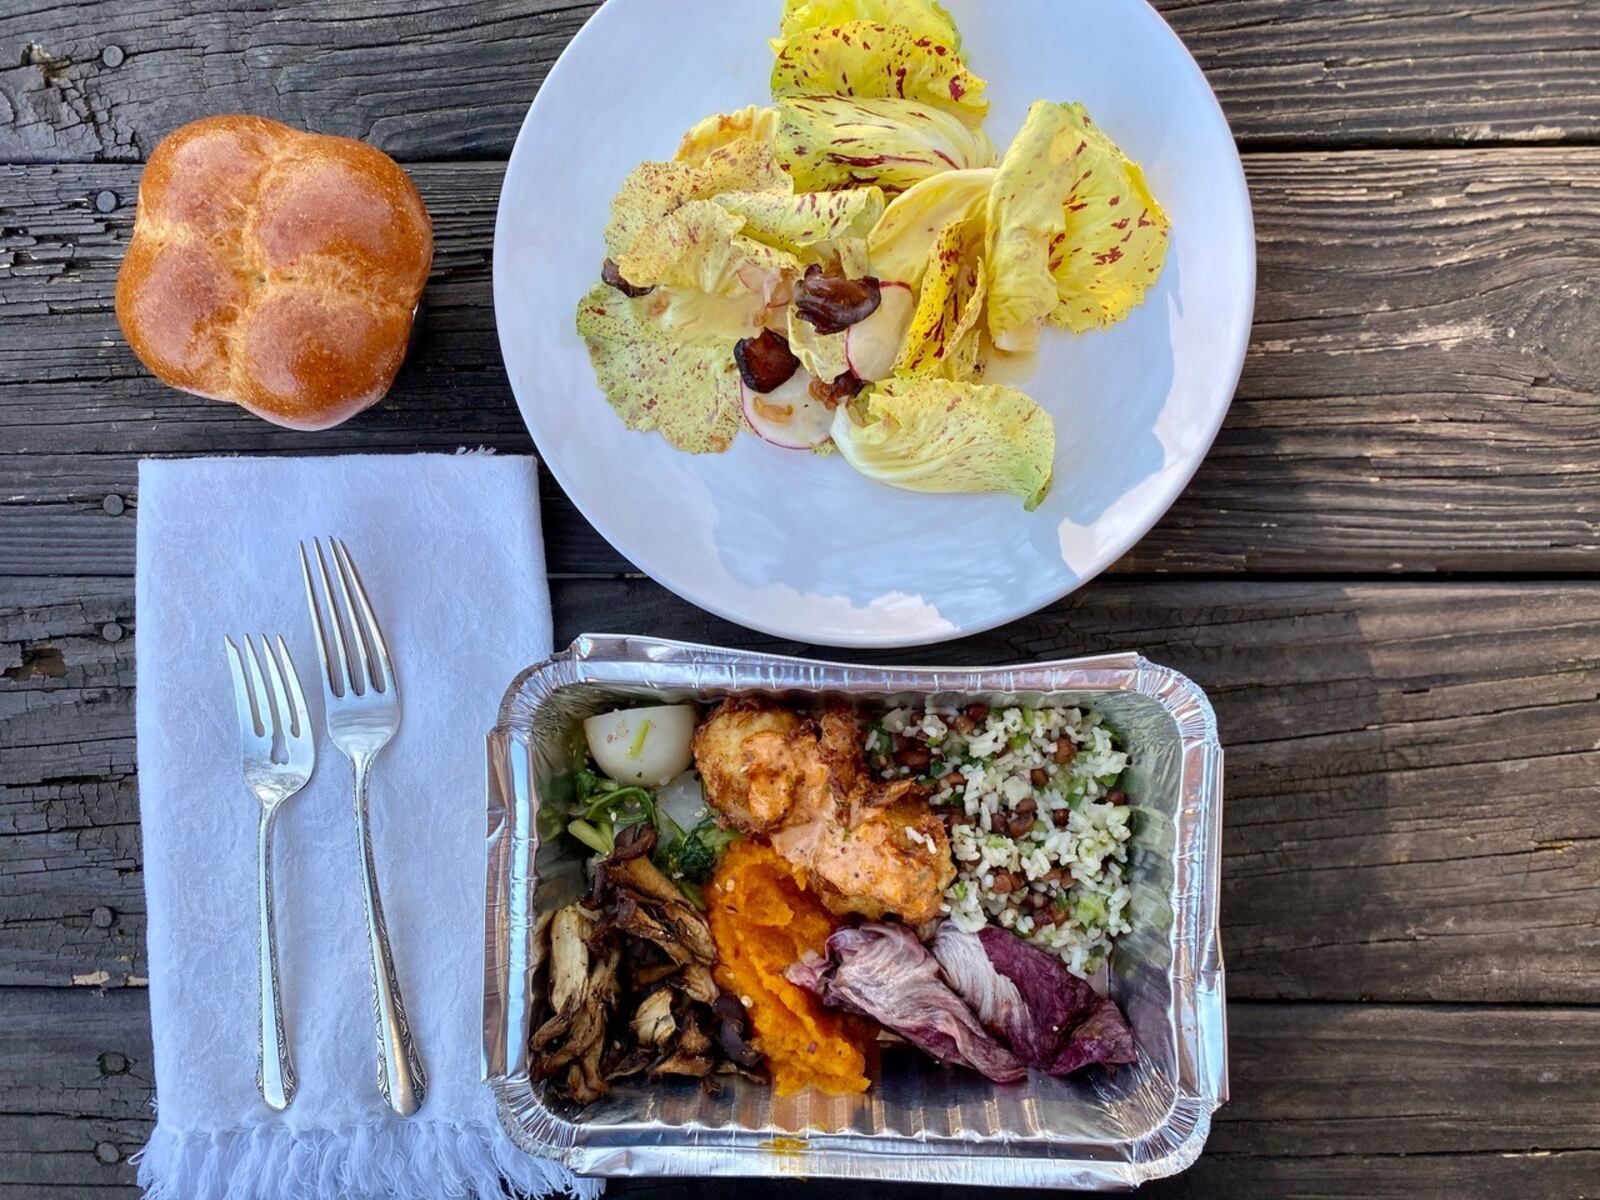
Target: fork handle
{"type": "Point", "coordinates": [275, 1070]}
{"type": "Point", "coordinates": [400, 1075]}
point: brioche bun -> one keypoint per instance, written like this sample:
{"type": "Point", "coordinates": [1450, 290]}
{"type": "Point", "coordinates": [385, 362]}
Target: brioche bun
{"type": "Point", "coordinates": [275, 269]}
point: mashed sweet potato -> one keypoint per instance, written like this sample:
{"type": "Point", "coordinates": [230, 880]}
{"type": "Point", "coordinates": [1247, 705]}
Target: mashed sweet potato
{"type": "Point", "coordinates": [763, 919]}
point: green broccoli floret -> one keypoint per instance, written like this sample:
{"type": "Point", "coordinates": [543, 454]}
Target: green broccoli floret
{"type": "Point", "coordinates": [694, 856]}
{"type": "Point", "coordinates": [589, 784]}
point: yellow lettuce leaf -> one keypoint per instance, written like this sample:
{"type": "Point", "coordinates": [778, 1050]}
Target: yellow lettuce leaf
{"type": "Point", "coordinates": [1116, 237]}
{"type": "Point", "coordinates": [700, 246]}
{"type": "Point", "coordinates": [902, 243]}
{"type": "Point", "coordinates": [821, 354]}
{"type": "Point", "coordinates": [828, 142]}
{"type": "Point", "coordinates": [945, 338]}
{"type": "Point", "coordinates": [655, 376]}
{"type": "Point", "coordinates": [1074, 234]}
{"type": "Point", "coordinates": [853, 258]}
{"type": "Point", "coordinates": [924, 18]}
{"type": "Point", "coordinates": [1027, 216]}
{"type": "Point", "coordinates": [873, 61]}
{"type": "Point", "coordinates": [931, 435]}
{"type": "Point", "coordinates": [652, 191]}
{"type": "Point", "coordinates": [751, 125]}
{"type": "Point", "coordinates": [806, 221]}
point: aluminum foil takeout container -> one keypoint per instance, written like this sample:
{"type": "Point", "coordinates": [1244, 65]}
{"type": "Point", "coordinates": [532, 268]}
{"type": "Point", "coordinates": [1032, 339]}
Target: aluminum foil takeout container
{"type": "Point", "coordinates": [920, 1121]}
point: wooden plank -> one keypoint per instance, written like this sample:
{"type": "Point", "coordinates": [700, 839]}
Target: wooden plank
{"type": "Point", "coordinates": [70, 887]}
{"type": "Point", "coordinates": [1449, 1176]}
{"type": "Point", "coordinates": [77, 1077]}
{"type": "Point", "coordinates": [1411, 809]}
{"type": "Point", "coordinates": [1397, 72]}
{"type": "Point", "coordinates": [453, 78]}
{"type": "Point", "coordinates": [1418, 396]}
{"type": "Point", "coordinates": [1319, 1079]}
{"type": "Point", "coordinates": [1335, 1100]}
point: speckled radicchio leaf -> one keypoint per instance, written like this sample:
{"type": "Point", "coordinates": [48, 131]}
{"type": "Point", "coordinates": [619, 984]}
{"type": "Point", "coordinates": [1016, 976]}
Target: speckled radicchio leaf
{"type": "Point", "coordinates": [881, 971]}
{"type": "Point", "coordinates": [1070, 1025]}
{"type": "Point", "coordinates": [1052, 1019]}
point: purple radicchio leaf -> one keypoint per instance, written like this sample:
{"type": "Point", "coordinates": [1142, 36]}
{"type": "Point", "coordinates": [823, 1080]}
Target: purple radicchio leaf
{"type": "Point", "coordinates": [882, 972]}
{"type": "Point", "coordinates": [1068, 1024]}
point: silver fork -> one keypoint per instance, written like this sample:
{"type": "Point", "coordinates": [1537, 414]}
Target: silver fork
{"type": "Point", "coordinates": [363, 712]}
{"type": "Point", "coordinates": [270, 716]}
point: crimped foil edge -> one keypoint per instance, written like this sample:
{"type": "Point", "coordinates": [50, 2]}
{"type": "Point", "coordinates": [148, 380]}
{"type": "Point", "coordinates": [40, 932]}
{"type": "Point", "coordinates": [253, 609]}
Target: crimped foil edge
{"type": "Point", "coordinates": [511, 952]}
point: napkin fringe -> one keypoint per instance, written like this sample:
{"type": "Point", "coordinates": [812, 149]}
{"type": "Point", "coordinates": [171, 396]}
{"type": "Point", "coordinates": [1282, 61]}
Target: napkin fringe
{"type": "Point", "coordinates": [396, 1160]}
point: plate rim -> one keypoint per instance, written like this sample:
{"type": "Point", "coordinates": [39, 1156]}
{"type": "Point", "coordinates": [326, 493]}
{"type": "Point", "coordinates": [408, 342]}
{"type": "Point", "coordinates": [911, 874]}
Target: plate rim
{"type": "Point", "coordinates": [866, 639]}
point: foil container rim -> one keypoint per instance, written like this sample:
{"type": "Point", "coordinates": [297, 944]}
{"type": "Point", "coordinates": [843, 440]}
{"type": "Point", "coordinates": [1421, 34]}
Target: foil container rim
{"type": "Point", "coordinates": [629, 660]}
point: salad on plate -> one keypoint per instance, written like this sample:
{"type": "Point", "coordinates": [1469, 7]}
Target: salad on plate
{"type": "Point", "coordinates": [839, 270]}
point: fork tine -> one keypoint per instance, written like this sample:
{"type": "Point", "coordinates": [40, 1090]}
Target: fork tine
{"type": "Point", "coordinates": [269, 716]}
{"type": "Point", "coordinates": [316, 620]}
{"type": "Point", "coordinates": [337, 681]}
{"type": "Point", "coordinates": [298, 742]}
{"type": "Point", "coordinates": [358, 636]}
{"type": "Point", "coordinates": [374, 631]}
{"type": "Point", "coordinates": [297, 698]}
{"type": "Point", "coordinates": [345, 633]}
{"type": "Point", "coordinates": [250, 728]}
{"type": "Point", "coordinates": [280, 697]}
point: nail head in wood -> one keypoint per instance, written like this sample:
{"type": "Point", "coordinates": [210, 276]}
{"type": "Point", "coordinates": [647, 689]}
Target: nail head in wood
{"type": "Point", "coordinates": [112, 56]}
{"type": "Point", "coordinates": [112, 1063]}
{"type": "Point", "coordinates": [111, 631]}
{"type": "Point", "coordinates": [105, 202]}
{"type": "Point", "coordinates": [113, 505]}
{"type": "Point", "coordinates": [102, 917]}
{"type": "Point", "coordinates": [106, 1153]}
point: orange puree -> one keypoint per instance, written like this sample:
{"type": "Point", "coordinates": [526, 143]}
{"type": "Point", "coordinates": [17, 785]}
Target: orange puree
{"type": "Point", "coordinates": [763, 919]}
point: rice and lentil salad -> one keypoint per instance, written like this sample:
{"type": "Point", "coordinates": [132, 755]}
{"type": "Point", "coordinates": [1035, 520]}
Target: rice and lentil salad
{"type": "Point", "coordinates": [1038, 827]}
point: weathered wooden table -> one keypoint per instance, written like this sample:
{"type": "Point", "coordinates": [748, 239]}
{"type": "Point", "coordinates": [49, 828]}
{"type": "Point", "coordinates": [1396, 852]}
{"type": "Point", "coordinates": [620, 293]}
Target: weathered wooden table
{"type": "Point", "coordinates": [1385, 573]}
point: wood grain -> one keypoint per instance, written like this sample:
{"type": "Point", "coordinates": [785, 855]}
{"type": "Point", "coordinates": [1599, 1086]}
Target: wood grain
{"type": "Point", "coordinates": [1447, 1101]}
{"type": "Point", "coordinates": [1412, 768]}
{"type": "Point", "coordinates": [70, 888]}
{"type": "Point", "coordinates": [1418, 395]}
{"type": "Point", "coordinates": [453, 78]}
{"type": "Point", "coordinates": [77, 1077]}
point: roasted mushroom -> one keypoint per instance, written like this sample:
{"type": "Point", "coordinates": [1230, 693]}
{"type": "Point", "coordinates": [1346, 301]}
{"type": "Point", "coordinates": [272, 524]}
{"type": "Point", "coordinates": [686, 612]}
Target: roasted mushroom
{"type": "Point", "coordinates": [628, 1061]}
{"type": "Point", "coordinates": [583, 991]}
{"type": "Point", "coordinates": [633, 841]}
{"type": "Point", "coordinates": [631, 989]}
{"type": "Point", "coordinates": [765, 363]}
{"type": "Point", "coordinates": [695, 982]}
{"type": "Point", "coordinates": [832, 303]}
{"type": "Point", "coordinates": [569, 956]}
{"type": "Point", "coordinates": [731, 1032]}
{"type": "Point", "coordinates": [651, 974]}
{"type": "Point", "coordinates": [836, 391]}
{"type": "Point", "coordinates": [691, 1054]}
{"type": "Point", "coordinates": [611, 275]}
{"type": "Point", "coordinates": [659, 912]}
{"type": "Point", "coordinates": [653, 1023]}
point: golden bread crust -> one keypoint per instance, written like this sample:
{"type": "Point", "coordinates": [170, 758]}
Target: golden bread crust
{"type": "Point", "coordinates": [275, 269]}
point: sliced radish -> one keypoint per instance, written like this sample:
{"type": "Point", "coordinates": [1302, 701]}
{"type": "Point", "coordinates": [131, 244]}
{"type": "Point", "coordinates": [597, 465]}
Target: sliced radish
{"type": "Point", "coordinates": [789, 415]}
{"type": "Point", "coordinates": [872, 346]}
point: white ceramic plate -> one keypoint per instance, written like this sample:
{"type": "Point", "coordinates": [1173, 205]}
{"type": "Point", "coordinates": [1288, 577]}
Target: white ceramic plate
{"type": "Point", "coordinates": [801, 546]}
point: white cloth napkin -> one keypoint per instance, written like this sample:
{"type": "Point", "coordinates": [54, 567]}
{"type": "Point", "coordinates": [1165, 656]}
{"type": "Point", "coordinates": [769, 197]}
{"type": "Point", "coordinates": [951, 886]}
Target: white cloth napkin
{"type": "Point", "coordinates": [450, 550]}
